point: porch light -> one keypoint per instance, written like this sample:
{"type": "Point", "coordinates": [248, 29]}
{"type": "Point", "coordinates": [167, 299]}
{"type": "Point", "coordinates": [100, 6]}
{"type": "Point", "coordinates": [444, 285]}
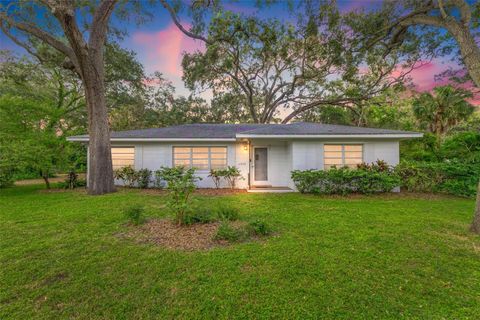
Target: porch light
{"type": "Point", "coordinates": [245, 146]}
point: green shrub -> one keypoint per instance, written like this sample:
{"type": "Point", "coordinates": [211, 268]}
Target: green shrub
{"type": "Point", "coordinates": [232, 175]}
{"type": "Point", "coordinates": [158, 181]}
{"type": "Point", "coordinates": [258, 228]}
{"type": "Point", "coordinates": [217, 175]}
{"type": "Point", "coordinates": [452, 177]}
{"type": "Point", "coordinates": [199, 215]}
{"type": "Point", "coordinates": [367, 179]}
{"type": "Point", "coordinates": [144, 177]}
{"type": "Point", "coordinates": [180, 185]}
{"type": "Point", "coordinates": [228, 233]}
{"type": "Point", "coordinates": [6, 176]}
{"type": "Point", "coordinates": [227, 213]}
{"type": "Point", "coordinates": [128, 175]}
{"type": "Point", "coordinates": [135, 214]}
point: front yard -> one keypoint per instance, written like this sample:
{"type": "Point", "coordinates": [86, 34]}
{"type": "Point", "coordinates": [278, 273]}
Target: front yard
{"type": "Point", "coordinates": [392, 256]}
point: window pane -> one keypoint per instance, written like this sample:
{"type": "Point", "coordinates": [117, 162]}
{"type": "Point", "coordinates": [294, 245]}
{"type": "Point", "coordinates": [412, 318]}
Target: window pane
{"type": "Point", "coordinates": [182, 155]}
{"type": "Point", "coordinates": [200, 156]}
{"type": "Point", "coordinates": [331, 147]}
{"type": "Point", "coordinates": [181, 162]}
{"type": "Point", "coordinates": [200, 150]}
{"type": "Point", "coordinates": [218, 150]}
{"type": "Point", "coordinates": [333, 161]}
{"type": "Point", "coordinates": [200, 164]}
{"type": "Point", "coordinates": [218, 156]}
{"type": "Point", "coordinates": [357, 147]}
{"type": "Point", "coordinates": [354, 154]}
{"type": "Point", "coordinates": [332, 154]}
{"type": "Point", "coordinates": [219, 163]}
{"type": "Point", "coordinates": [353, 161]}
{"type": "Point", "coordinates": [181, 150]}
{"type": "Point", "coordinates": [122, 157]}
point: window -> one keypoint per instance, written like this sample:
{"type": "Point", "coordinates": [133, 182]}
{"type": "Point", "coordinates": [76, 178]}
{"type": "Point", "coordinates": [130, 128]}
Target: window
{"type": "Point", "coordinates": [122, 157]}
{"type": "Point", "coordinates": [202, 158]}
{"type": "Point", "coordinates": [342, 155]}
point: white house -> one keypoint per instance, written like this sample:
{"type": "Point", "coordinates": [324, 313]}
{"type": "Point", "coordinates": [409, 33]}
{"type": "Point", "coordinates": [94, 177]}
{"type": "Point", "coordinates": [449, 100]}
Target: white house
{"type": "Point", "coordinates": [265, 154]}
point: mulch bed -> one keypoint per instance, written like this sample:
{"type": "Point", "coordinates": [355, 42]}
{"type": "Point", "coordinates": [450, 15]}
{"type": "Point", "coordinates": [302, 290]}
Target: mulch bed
{"type": "Point", "coordinates": [202, 191]}
{"type": "Point", "coordinates": [166, 233]}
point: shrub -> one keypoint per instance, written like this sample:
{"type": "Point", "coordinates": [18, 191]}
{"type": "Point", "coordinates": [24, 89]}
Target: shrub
{"type": "Point", "coordinates": [135, 214]}
{"type": "Point", "coordinates": [6, 176]}
{"type": "Point", "coordinates": [199, 215]}
{"type": "Point", "coordinates": [217, 175]}
{"type": "Point", "coordinates": [232, 175]}
{"type": "Point", "coordinates": [180, 185]}
{"type": "Point", "coordinates": [453, 177]}
{"type": "Point", "coordinates": [128, 175]}
{"type": "Point", "coordinates": [227, 213]}
{"type": "Point", "coordinates": [258, 228]}
{"type": "Point", "coordinates": [143, 178]}
{"type": "Point", "coordinates": [228, 233]}
{"type": "Point", "coordinates": [158, 181]}
{"type": "Point", "coordinates": [367, 179]}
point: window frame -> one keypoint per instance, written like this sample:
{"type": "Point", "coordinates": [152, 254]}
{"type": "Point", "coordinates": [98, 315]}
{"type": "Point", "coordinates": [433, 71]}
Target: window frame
{"type": "Point", "coordinates": [326, 167]}
{"type": "Point", "coordinates": [192, 158]}
{"type": "Point", "coordinates": [116, 147]}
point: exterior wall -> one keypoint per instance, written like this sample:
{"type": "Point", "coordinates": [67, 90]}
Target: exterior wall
{"type": "Point", "coordinates": [153, 155]}
{"type": "Point", "coordinates": [283, 157]}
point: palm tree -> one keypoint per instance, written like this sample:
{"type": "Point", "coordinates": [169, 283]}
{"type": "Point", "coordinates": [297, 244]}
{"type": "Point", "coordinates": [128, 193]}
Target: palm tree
{"type": "Point", "coordinates": [442, 110]}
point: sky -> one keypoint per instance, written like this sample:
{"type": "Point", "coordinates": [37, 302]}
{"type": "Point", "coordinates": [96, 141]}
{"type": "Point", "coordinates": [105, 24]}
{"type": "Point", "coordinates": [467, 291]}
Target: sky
{"type": "Point", "coordinates": [159, 44]}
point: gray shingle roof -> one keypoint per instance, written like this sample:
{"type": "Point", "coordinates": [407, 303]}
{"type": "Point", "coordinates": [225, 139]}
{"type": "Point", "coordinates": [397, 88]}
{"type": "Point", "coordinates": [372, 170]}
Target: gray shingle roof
{"type": "Point", "coordinates": [230, 131]}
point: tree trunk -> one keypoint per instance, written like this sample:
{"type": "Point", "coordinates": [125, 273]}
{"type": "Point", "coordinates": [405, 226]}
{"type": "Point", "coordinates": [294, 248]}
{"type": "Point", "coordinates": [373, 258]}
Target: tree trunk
{"type": "Point", "coordinates": [469, 50]}
{"type": "Point", "coordinates": [100, 177]}
{"type": "Point", "coordinates": [475, 227]}
{"type": "Point", "coordinates": [47, 182]}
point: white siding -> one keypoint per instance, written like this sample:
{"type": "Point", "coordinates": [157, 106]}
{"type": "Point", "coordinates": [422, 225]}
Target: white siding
{"type": "Point", "coordinates": [283, 156]}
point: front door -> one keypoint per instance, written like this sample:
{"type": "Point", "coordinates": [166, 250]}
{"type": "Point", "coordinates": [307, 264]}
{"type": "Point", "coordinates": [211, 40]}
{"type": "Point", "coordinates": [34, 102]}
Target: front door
{"type": "Point", "coordinates": [260, 173]}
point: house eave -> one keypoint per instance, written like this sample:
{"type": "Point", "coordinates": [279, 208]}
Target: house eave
{"type": "Point", "coordinates": [86, 139]}
{"type": "Point", "coordinates": [330, 136]}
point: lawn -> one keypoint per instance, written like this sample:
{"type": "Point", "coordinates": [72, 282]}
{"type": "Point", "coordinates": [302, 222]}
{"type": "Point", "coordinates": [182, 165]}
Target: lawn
{"type": "Point", "coordinates": [362, 257]}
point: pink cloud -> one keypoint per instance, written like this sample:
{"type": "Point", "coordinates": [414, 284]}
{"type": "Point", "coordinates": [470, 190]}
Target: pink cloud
{"type": "Point", "coordinates": [163, 49]}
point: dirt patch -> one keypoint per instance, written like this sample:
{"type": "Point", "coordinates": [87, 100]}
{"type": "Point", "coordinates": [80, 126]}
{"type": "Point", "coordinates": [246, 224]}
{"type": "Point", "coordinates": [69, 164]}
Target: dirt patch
{"type": "Point", "coordinates": [59, 178]}
{"type": "Point", "coordinates": [167, 234]}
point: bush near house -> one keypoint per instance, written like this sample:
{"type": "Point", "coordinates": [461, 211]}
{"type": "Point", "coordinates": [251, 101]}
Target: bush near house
{"type": "Point", "coordinates": [231, 175]}
{"type": "Point", "coordinates": [366, 179]}
{"type": "Point", "coordinates": [450, 177]}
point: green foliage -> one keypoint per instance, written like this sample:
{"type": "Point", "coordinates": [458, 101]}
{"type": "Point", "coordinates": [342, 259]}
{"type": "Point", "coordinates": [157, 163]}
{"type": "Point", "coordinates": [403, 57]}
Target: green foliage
{"type": "Point", "coordinates": [217, 175]}
{"type": "Point", "coordinates": [71, 182]}
{"type": "Point", "coordinates": [367, 179]}
{"type": "Point", "coordinates": [232, 175]}
{"type": "Point", "coordinates": [128, 174]}
{"type": "Point", "coordinates": [180, 185]}
{"type": "Point", "coordinates": [229, 233]}
{"type": "Point", "coordinates": [453, 177]}
{"type": "Point", "coordinates": [227, 213]}
{"type": "Point", "coordinates": [144, 177]}
{"type": "Point", "coordinates": [158, 181]}
{"type": "Point", "coordinates": [199, 215]}
{"type": "Point", "coordinates": [6, 175]}
{"type": "Point", "coordinates": [442, 110]}
{"type": "Point", "coordinates": [135, 214]}
{"type": "Point", "coordinates": [258, 228]}
{"type": "Point", "coordinates": [462, 146]}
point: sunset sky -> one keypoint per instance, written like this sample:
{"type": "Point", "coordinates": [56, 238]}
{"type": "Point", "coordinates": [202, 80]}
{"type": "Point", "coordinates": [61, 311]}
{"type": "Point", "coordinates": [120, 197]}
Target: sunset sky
{"type": "Point", "coordinates": [159, 44]}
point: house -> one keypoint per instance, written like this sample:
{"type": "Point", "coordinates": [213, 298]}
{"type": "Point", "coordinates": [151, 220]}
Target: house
{"type": "Point", "coordinates": [265, 154]}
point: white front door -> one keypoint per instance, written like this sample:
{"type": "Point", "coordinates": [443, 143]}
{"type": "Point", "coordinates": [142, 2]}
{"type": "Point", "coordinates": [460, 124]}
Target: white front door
{"type": "Point", "coordinates": [260, 165]}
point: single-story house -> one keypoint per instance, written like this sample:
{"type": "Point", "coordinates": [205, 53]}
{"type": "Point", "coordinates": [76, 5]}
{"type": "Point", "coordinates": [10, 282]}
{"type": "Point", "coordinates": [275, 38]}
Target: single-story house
{"type": "Point", "coordinates": [265, 154]}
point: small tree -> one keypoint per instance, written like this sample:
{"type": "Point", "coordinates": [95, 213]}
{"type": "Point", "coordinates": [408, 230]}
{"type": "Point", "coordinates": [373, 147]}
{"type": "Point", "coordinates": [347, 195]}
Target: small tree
{"type": "Point", "coordinates": [180, 185]}
{"type": "Point", "coordinates": [217, 175]}
{"type": "Point", "coordinates": [232, 174]}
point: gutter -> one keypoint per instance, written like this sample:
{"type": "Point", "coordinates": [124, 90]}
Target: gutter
{"type": "Point", "coordinates": [329, 136]}
{"type": "Point", "coordinates": [86, 139]}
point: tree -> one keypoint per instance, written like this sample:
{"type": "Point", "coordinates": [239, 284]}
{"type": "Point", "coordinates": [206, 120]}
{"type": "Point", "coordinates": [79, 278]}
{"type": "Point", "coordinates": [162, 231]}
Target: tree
{"type": "Point", "coordinates": [458, 18]}
{"type": "Point", "coordinates": [279, 68]}
{"type": "Point", "coordinates": [442, 110]}
{"type": "Point", "coordinates": [84, 56]}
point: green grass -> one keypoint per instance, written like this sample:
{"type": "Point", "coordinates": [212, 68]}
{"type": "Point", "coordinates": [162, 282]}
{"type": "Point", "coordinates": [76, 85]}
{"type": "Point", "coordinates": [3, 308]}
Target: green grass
{"type": "Point", "coordinates": [384, 257]}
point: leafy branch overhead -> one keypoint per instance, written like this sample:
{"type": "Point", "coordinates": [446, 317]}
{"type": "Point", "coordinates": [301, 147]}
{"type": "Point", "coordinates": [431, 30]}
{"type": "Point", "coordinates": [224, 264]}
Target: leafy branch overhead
{"type": "Point", "coordinates": [277, 67]}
